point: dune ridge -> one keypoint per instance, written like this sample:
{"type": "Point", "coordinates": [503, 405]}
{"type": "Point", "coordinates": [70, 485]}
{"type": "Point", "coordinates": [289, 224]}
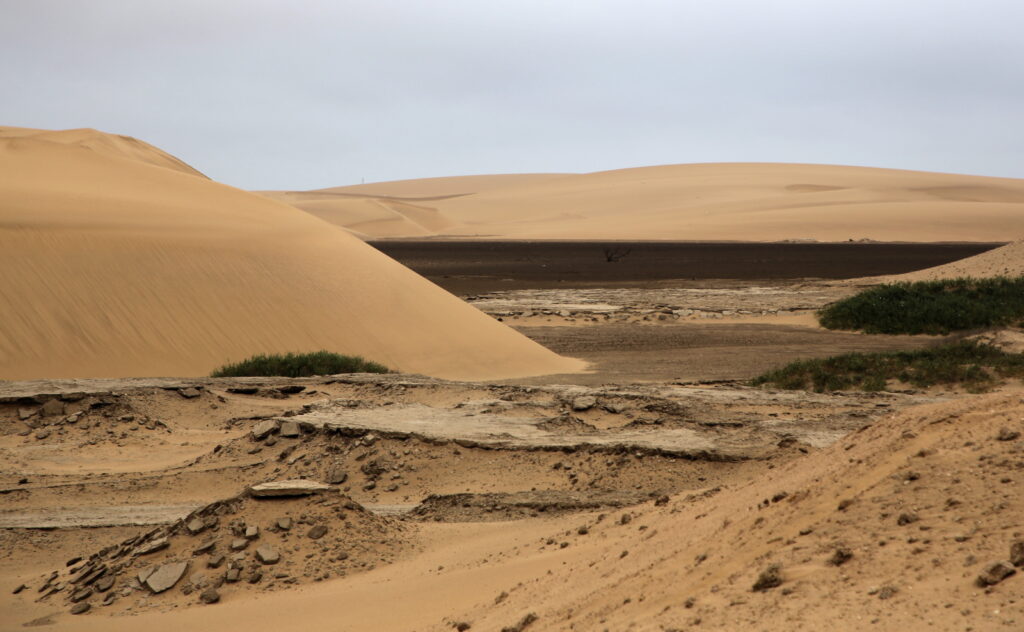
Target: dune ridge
{"type": "Point", "coordinates": [713, 201]}
{"type": "Point", "coordinates": [1007, 261]}
{"type": "Point", "coordinates": [113, 262]}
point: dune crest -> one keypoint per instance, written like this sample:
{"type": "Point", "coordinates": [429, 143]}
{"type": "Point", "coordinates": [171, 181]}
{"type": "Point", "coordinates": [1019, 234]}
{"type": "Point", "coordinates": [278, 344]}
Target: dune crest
{"type": "Point", "coordinates": [1007, 261]}
{"type": "Point", "coordinates": [715, 201]}
{"type": "Point", "coordinates": [115, 263]}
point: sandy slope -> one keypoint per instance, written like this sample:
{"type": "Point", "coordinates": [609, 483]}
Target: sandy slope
{"type": "Point", "coordinates": [116, 262]}
{"type": "Point", "coordinates": [753, 201]}
{"type": "Point", "coordinates": [921, 501]}
{"type": "Point", "coordinates": [1007, 261]}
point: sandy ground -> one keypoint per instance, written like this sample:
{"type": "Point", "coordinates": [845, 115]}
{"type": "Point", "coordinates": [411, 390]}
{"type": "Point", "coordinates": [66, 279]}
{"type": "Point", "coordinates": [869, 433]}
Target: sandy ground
{"type": "Point", "coordinates": [657, 490]}
{"type": "Point", "coordinates": [739, 201]}
{"type": "Point", "coordinates": [115, 263]}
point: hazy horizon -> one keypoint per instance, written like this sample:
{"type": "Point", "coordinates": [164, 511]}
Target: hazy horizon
{"type": "Point", "coordinates": [266, 95]}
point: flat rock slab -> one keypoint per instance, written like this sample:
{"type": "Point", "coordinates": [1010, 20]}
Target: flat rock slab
{"type": "Point", "coordinates": [120, 516]}
{"type": "Point", "coordinates": [166, 576]}
{"type": "Point", "coordinates": [295, 487]}
{"type": "Point", "coordinates": [520, 433]}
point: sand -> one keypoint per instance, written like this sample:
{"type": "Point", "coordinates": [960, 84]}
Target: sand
{"type": "Point", "coordinates": [727, 201]}
{"type": "Point", "coordinates": [118, 260]}
{"type": "Point", "coordinates": [1005, 261]}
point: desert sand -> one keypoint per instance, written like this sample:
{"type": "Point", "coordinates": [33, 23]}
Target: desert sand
{"type": "Point", "coordinates": [117, 260]}
{"type": "Point", "coordinates": [503, 488]}
{"type": "Point", "coordinates": [1007, 261]}
{"type": "Point", "coordinates": [728, 201]}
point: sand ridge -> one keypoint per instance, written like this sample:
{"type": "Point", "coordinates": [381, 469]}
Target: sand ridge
{"type": "Point", "coordinates": [111, 265]}
{"type": "Point", "coordinates": [713, 201]}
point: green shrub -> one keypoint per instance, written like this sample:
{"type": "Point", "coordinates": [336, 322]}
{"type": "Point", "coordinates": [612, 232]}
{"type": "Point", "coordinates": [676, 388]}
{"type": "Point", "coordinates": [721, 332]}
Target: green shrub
{"type": "Point", "coordinates": [299, 365]}
{"type": "Point", "coordinates": [930, 307]}
{"type": "Point", "coordinates": [974, 366]}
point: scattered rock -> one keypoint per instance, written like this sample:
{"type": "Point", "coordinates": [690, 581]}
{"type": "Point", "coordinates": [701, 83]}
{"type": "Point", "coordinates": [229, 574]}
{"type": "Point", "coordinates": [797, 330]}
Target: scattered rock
{"type": "Point", "coordinates": [770, 577]}
{"type": "Point", "coordinates": [195, 526]}
{"type": "Point", "coordinates": [232, 575]}
{"type": "Point", "coordinates": [252, 532]}
{"type": "Point", "coordinates": [584, 402]}
{"type": "Point", "coordinates": [524, 623]}
{"type": "Point", "coordinates": [268, 555]}
{"type": "Point", "coordinates": [264, 429]}
{"type": "Point", "coordinates": [887, 592]}
{"type": "Point", "coordinates": [52, 408]}
{"type": "Point", "coordinates": [317, 532]}
{"type": "Point", "coordinates": [81, 594]}
{"type": "Point", "coordinates": [336, 475]}
{"type": "Point", "coordinates": [841, 556]}
{"type": "Point", "coordinates": [206, 547]}
{"type": "Point", "coordinates": [1006, 434]}
{"type": "Point", "coordinates": [189, 393]}
{"type": "Point", "coordinates": [105, 583]}
{"type": "Point", "coordinates": [209, 596]}
{"type": "Point", "coordinates": [80, 608]}
{"type": "Point", "coordinates": [152, 547]}
{"type": "Point", "coordinates": [42, 434]}
{"type": "Point", "coordinates": [285, 524]}
{"type": "Point", "coordinates": [20, 588]}
{"type": "Point", "coordinates": [995, 573]}
{"type": "Point", "coordinates": [906, 518]}
{"type": "Point", "coordinates": [166, 576]}
{"type": "Point", "coordinates": [289, 429]}
{"type": "Point", "coordinates": [239, 544]}
{"type": "Point", "coordinates": [215, 561]}
{"type": "Point", "coordinates": [1017, 553]}
{"type": "Point", "coordinates": [295, 487]}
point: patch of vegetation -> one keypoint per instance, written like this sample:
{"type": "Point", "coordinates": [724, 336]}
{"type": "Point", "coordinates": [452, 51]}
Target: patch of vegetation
{"type": "Point", "coordinates": [974, 366]}
{"type": "Point", "coordinates": [299, 365]}
{"type": "Point", "coordinates": [930, 307]}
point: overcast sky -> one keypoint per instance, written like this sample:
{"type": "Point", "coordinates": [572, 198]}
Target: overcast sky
{"type": "Point", "coordinates": [308, 94]}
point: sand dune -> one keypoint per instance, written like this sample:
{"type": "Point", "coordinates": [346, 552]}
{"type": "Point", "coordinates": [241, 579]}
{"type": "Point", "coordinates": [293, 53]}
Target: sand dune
{"type": "Point", "coordinates": [1005, 261]}
{"type": "Point", "coordinates": [117, 260]}
{"type": "Point", "coordinates": [758, 202]}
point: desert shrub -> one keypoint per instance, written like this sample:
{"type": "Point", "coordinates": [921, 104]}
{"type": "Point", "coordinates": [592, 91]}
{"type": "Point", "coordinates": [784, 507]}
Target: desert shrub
{"type": "Point", "coordinates": [299, 365]}
{"type": "Point", "coordinates": [930, 307]}
{"type": "Point", "coordinates": [969, 364]}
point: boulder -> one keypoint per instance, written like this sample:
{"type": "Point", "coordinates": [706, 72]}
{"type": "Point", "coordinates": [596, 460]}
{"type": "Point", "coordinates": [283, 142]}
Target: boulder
{"type": "Point", "coordinates": [290, 429]}
{"type": "Point", "coordinates": [195, 526]}
{"type": "Point", "coordinates": [284, 524]}
{"type": "Point", "coordinates": [295, 487]}
{"type": "Point", "coordinates": [166, 576]}
{"type": "Point", "coordinates": [80, 608]}
{"type": "Point", "coordinates": [317, 532]}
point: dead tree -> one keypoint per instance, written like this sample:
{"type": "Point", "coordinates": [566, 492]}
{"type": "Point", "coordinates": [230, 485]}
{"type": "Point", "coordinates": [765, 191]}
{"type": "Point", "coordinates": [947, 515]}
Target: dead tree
{"type": "Point", "coordinates": [615, 253]}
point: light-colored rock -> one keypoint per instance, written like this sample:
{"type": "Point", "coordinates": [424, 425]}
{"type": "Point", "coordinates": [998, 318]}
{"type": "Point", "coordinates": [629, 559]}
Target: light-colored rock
{"type": "Point", "coordinates": [152, 547]}
{"type": "Point", "coordinates": [584, 402]}
{"type": "Point", "coordinates": [290, 429]}
{"type": "Point", "coordinates": [268, 554]}
{"type": "Point", "coordinates": [294, 487]}
{"type": "Point", "coordinates": [166, 576]}
{"type": "Point", "coordinates": [264, 429]}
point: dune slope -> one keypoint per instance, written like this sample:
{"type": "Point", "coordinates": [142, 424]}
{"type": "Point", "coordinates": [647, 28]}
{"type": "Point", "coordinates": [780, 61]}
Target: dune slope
{"type": "Point", "coordinates": [114, 263]}
{"type": "Point", "coordinates": [1005, 261]}
{"type": "Point", "coordinates": [727, 201]}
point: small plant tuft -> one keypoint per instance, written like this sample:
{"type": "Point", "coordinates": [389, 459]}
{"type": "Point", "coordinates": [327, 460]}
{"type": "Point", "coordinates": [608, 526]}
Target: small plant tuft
{"type": "Point", "coordinates": [974, 366]}
{"type": "Point", "coordinates": [298, 365]}
{"type": "Point", "coordinates": [930, 307]}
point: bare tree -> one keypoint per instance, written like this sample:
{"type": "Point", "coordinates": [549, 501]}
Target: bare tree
{"type": "Point", "coordinates": [615, 253]}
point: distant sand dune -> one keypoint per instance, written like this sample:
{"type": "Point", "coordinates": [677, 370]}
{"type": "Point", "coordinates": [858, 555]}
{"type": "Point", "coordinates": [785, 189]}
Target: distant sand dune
{"type": "Point", "coordinates": [729, 201]}
{"type": "Point", "coordinates": [116, 260]}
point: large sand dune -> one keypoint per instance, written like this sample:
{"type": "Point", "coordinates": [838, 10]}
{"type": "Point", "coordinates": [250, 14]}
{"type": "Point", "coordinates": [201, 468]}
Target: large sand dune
{"type": "Point", "coordinates": [116, 259]}
{"type": "Point", "coordinates": [758, 202]}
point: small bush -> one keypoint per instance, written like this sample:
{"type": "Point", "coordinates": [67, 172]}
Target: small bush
{"type": "Point", "coordinates": [974, 366]}
{"type": "Point", "coordinates": [930, 307]}
{"type": "Point", "coordinates": [299, 365]}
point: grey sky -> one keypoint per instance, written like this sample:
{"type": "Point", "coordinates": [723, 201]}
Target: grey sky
{"type": "Point", "coordinates": [308, 94]}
